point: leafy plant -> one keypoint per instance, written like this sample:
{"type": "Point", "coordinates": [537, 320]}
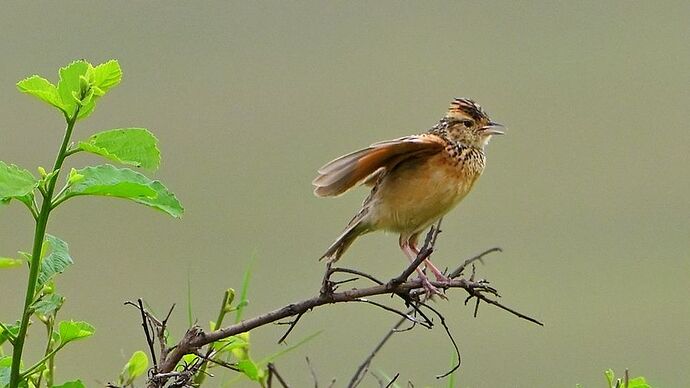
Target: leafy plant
{"type": "Point", "coordinates": [637, 382]}
{"type": "Point", "coordinates": [624, 382]}
{"type": "Point", "coordinates": [133, 369]}
{"type": "Point", "coordinates": [233, 352]}
{"type": "Point", "coordinates": [80, 87]}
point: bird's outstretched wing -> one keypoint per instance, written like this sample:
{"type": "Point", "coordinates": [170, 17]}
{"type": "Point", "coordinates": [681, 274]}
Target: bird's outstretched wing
{"type": "Point", "coordinates": [341, 174]}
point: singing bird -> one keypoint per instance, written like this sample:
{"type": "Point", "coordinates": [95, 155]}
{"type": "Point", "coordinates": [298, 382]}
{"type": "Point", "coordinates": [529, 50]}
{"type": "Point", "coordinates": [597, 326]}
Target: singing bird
{"type": "Point", "coordinates": [415, 180]}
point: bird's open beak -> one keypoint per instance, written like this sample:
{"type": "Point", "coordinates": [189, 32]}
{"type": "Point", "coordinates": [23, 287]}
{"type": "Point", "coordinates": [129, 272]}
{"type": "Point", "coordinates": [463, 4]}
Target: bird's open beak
{"type": "Point", "coordinates": [494, 129]}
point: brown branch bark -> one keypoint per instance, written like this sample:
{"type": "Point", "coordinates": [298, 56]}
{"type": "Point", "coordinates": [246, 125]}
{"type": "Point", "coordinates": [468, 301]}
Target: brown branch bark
{"type": "Point", "coordinates": [411, 291]}
{"type": "Point", "coordinates": [196, 338]}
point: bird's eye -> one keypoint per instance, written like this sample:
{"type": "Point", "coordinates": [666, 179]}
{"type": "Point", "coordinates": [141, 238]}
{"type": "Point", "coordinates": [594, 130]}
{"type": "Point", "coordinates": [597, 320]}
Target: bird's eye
{"type": "Point", "coordinates": [467, 123]}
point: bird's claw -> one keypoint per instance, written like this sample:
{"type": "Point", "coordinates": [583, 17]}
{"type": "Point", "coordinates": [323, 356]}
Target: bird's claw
{"type": "Point", "coordinates": [432, 290]}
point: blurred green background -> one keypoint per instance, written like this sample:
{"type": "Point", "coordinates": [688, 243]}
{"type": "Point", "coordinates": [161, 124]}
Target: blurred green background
{"type": "Point", "coordinates": [587, 194]}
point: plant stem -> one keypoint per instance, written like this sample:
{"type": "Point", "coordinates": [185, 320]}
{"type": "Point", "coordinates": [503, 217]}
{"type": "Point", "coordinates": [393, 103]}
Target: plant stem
{"type": "Point", "coordinates": [39, 235]}
{"type": "Point", "coordinates": [201, 375]}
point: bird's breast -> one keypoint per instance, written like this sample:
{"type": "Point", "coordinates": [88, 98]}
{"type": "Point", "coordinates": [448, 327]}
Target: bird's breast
{"type": "Point", "coordinates": [417, 192]}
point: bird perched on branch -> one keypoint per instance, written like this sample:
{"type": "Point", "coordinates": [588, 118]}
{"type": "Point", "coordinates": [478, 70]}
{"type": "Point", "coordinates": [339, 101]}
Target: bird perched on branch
{"type": "Point", "coordinates": [415, 180]}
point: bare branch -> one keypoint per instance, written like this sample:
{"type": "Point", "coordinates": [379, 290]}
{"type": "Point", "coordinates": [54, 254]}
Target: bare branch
{"type": "Point", "coordinates": [292, 326]}
{"type": "Point", "coordinates": [411, 291]}
{"type": "Point", "coordinates": [364, 366]}
{"type": "Point", "coordinates": [272, 371]}
{"type": "Point", "coordinates": [313, 373]}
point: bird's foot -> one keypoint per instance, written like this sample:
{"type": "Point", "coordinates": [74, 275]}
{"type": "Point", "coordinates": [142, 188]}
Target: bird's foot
{"type": "Point", "coordinates": [432, 290]}
{"type": "Point", "coordinates": [441, 278]}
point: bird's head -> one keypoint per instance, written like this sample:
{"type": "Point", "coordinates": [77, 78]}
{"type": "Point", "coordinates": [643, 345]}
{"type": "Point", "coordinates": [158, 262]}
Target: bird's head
{"type": "Point", "coordinates": [469, 124]}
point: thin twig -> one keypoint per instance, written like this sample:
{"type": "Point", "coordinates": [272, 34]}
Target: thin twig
{"type": "Point", "coordinates": [364, 366]}
{"type": "Point", "coordinates": [313, 373]}
{"type": "Point", "coordinates": [406, 316]}
{"type": "Point", "coordinates": [390, 384]}
{"type": "Point", "coordinates": [149, 339]}
{"type": "Point", "coordinates": [480, 257]}
{"type": "Point", "coordinates": [292, 326]}
{"type": "Point", "coordinates": [409, 290]}
{"type": "Point", "coordinates": [274, 372]}
{"type": "Point", "coordinates": [209, 358]}
{"type": "Point", "coordinates": [452, 340]}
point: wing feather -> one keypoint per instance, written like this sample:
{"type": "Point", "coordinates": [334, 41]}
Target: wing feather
{"type": "Point", "coordinates": [343, 173]}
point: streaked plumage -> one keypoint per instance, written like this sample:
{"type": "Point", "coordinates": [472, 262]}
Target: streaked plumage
{"type": "Point", "coordinates": [416, 179]}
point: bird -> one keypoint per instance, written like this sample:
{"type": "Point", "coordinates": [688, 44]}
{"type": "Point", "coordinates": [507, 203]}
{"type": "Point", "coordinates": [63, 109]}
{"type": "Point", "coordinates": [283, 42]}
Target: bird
{"type": "Point", "coordinates": [415, 180]}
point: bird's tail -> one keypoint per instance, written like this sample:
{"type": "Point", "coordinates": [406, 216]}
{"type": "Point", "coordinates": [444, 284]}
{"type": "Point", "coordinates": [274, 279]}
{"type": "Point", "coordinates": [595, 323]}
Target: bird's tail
{"type": "Point", "coordinates": [340, 245]}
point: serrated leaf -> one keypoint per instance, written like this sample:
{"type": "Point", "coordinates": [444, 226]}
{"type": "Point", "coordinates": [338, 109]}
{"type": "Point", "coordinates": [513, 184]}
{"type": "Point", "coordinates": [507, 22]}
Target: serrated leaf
{"type": "Point", "coordinates": [48, 304]}
{"type": "Point", "coordinates": [135, 367]}
{"type": "Point", "coordinates": [15, 182]}
{"type": "Point", "coordinates": [70, 86]}
{"type": "Point", "coordinates": [133, 146]}
{"type": "Point", "coordinates": [70, 384]}
{"type": "Point", "coordinates": [42, 89]}
{"type": "Point", "coordinates": [108, 180]}
{"type": "Point", "coordinates": [9, 262]}
{"type": "Point", "coordinates": [55, 259]}
{"type": "Point", "coordinates": [164, 201]}
{"type": "Point", "coordinates": [74, 330]}
{"type": "Point", "coordinates": [111, 181]}
{"type": "Point", "coordinates": [100, 79]}
{"type": "Point", "coordinates": [107, 75]}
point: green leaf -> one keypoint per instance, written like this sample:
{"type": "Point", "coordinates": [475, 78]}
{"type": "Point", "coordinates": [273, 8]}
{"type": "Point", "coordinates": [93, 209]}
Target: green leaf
{"type": "Point", "coordinates": [74, 330]}
{"type": "Point", "coordinates": [187, 359]}
{"type": "Point", "coordinates": [8, 262]}
{"type": "Point", "coordinates": [8, 332]}
{"type": "Point", "coordinates": [250, 369]}
{"type": "Point", "coordinates": [70, 384]}
{"type": "Point", "coordinates": [610, 376]}
{"type": "Point", "coordinates": [98, 80]}
{"type": "Point", "coordinates": [638, 382]}
{"type": "Point", "coordinates": [135, 367]}
{"type": "Point", "coordinates": [42, 89]}
{"type": "Point", "coordinates": [55, 259]}
{"type": "Point", "coordinates": [70, 86]}
{"type": "Point", "coordinates": [106, 75]}
{"type": "Point", "coordinates": [15, 182]}
{"type": "Point", "coordinates": [228, 344]}
{"type": "Point", "coordinates": [245, 290]}
{"type": "Point", "coordinates": [107, 180]}
{"type": "Point", "coordinates": [164, 201]}
{"type": "Point", "coordinates": [5, 369]}
{"type": "Point", "coordinates": [111, 181]}
{"type": "Point", "coordinates": [133, 146]}
{"type": "Point", "coordinates": [48, 304]}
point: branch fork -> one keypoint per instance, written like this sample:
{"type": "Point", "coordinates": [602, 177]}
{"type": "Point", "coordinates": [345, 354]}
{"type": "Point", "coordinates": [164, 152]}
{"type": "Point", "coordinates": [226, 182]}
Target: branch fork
{"type": "Point", "coordinates": [167, 372]}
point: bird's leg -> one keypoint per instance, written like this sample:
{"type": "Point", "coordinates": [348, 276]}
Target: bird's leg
{"type": "Point", "coordinates": [437, 273]}
{"type": "Point", "coordinates": [411, 254]}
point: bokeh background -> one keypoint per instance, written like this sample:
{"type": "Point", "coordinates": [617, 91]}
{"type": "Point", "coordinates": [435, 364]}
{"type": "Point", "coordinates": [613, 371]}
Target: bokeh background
{"type": "Point", "coordinates": [587, 194]}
